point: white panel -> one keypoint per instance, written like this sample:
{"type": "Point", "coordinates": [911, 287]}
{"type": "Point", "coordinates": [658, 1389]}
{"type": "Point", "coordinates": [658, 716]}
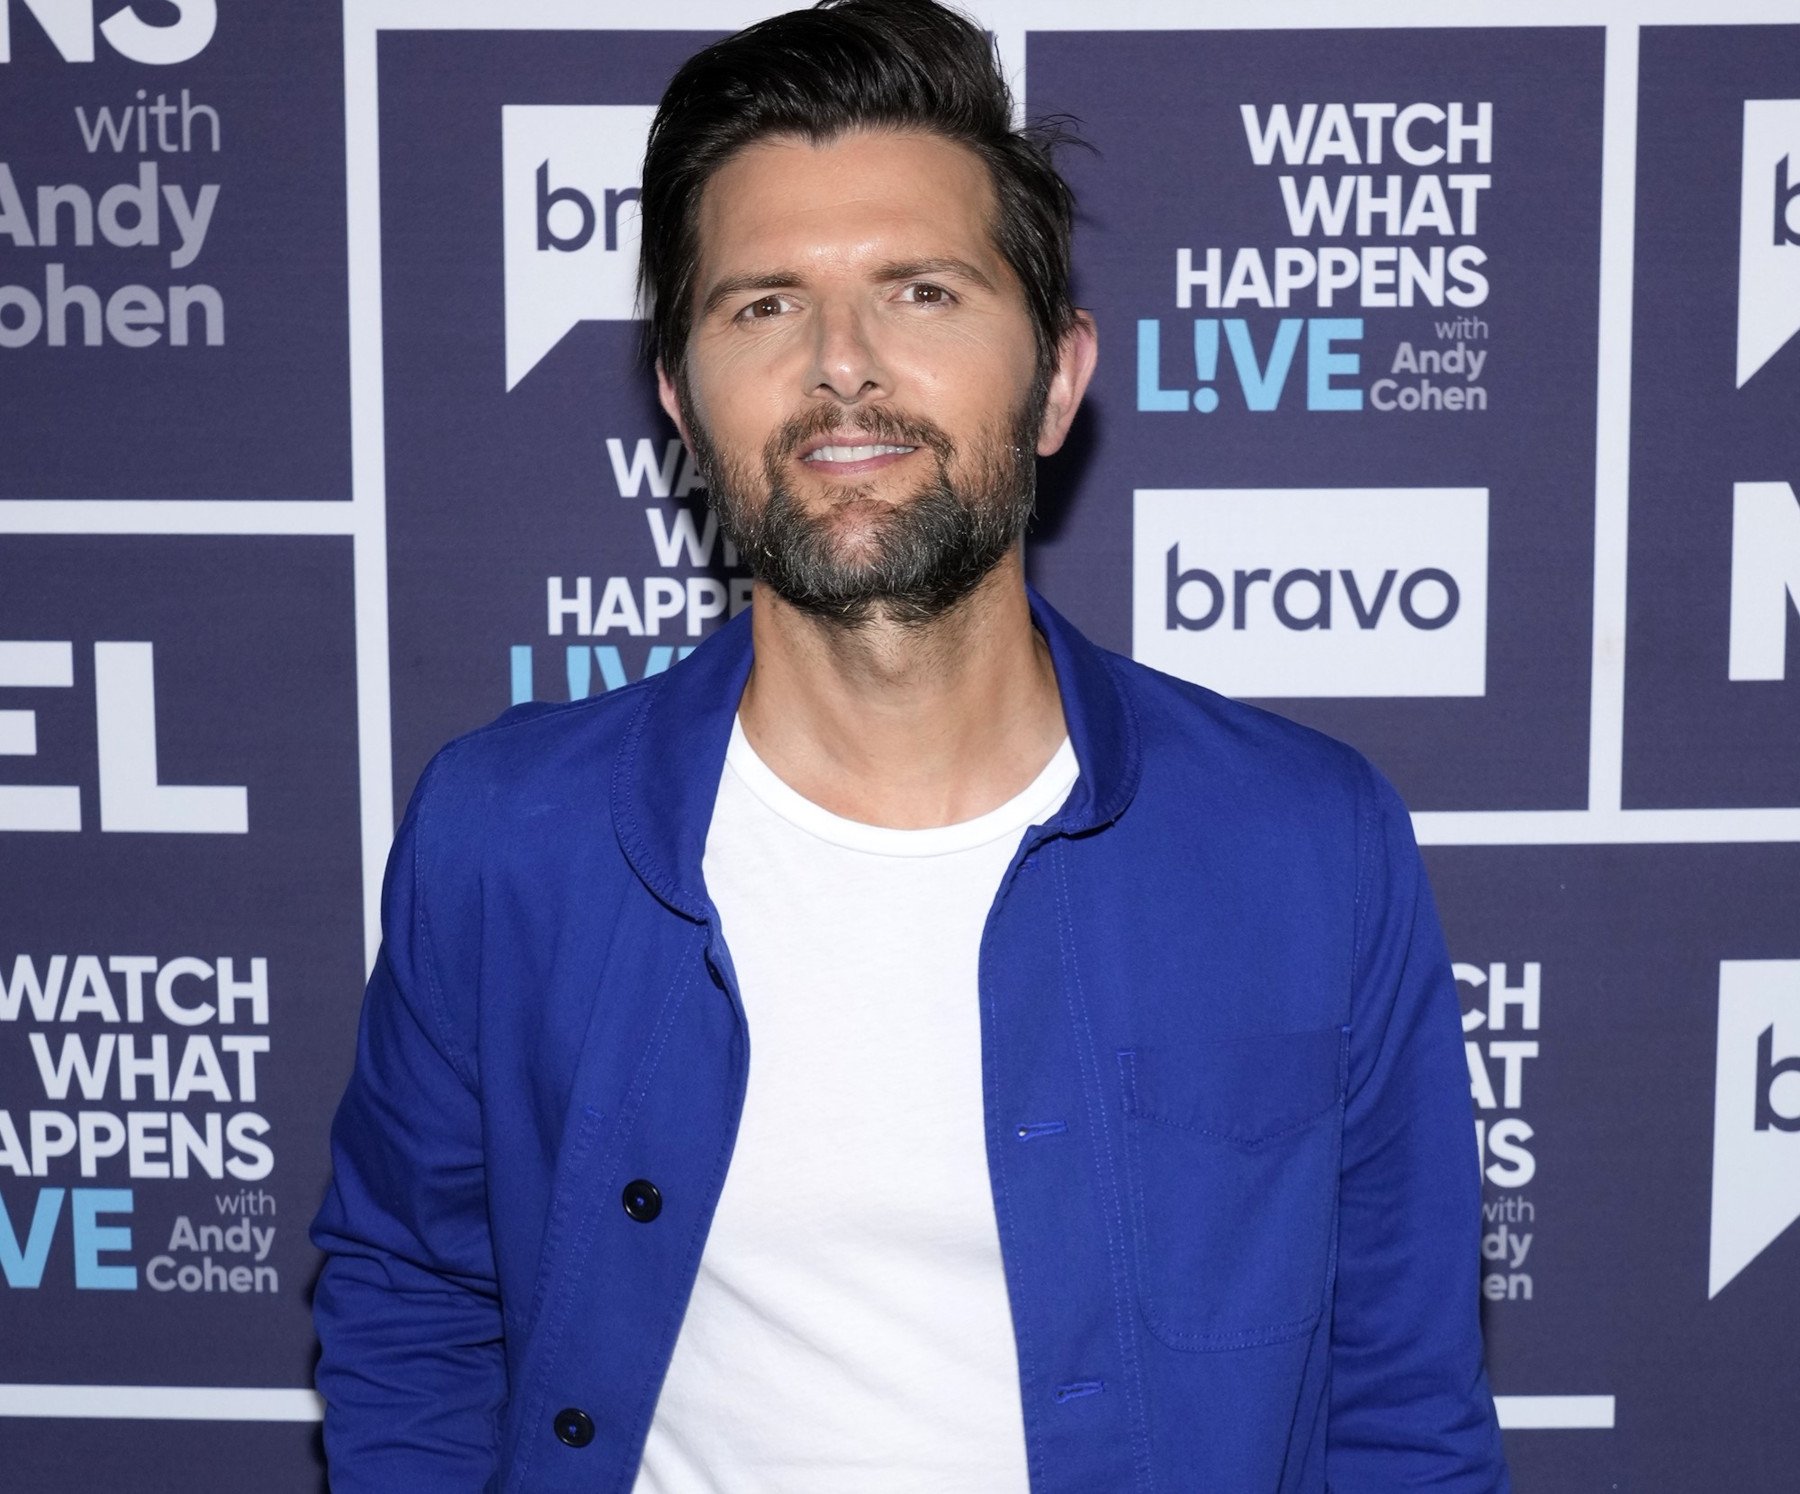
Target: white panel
{"type": "Point", "coordinates": [1765, 577]}
{"type": "Point", "coordinates": [161, 1403]}
{"type": "Point", "coordinates": [1768, 233]}
{"type": "Point", "coordinates": [569, 203]}
{"type": "Point", "coordinates": [37, 666]}
{"type": "Point", "coordinates": [1268, 592]}
{"type": "Point", "coordinates": [18, 733]}
{"type": "Point", "coordinates": [1525, 1413]}
{"type": "Point", "coordinates": [39, 807]}
{"type": "Point", "coordinates": [1756, 1114]}
{"type": "Point", "coordinates": [131, 797]}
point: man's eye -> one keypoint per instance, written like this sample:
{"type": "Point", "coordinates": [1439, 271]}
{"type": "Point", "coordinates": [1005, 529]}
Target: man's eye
{"type": "Point", "coordinates": [925, 294]}
{"type": "Point", "coordinates": [767, 307]}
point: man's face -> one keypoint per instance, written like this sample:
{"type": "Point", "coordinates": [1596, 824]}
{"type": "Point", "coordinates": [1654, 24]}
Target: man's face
{"type": "Point", "coordinates": [861, 386]}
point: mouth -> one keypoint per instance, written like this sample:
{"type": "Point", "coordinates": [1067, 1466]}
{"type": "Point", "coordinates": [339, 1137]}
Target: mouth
{"type": "Point", "coordinates": [841, 455]}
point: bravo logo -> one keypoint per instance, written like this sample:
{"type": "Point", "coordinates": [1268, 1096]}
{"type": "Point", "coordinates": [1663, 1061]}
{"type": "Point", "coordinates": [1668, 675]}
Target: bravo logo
{"type": "Point", "coordinates": [69, 25]}
{"type": "Point", "coordinates": [570, 207]}
{"type": "Point", "coordinates": [1756, 1113]}
{"type": "Point", "coordinates": [1313, 591]}
{"type": "Point", "coordinates": [1768, 233]}
{"type": "Point", "coordinates": [131, 795]}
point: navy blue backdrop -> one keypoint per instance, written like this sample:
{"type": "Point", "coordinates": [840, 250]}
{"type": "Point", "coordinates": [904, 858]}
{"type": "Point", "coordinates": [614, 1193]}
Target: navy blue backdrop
{"type": "Point", "coordinates": [1446, 402]}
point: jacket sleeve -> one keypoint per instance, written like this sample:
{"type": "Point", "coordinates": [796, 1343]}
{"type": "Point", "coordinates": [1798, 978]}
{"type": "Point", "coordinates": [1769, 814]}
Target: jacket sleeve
{"type": "Point", "coordinates": [1410, 1406]}
{"type": "Point", "coordinates": [407, 1307]}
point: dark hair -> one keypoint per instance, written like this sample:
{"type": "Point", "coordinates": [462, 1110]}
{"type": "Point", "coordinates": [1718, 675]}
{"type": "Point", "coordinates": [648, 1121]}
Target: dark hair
{"type": "Point", "coordinates": [847, 65]}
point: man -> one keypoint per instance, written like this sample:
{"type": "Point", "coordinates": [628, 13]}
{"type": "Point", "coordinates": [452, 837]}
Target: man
{"type": "Point", "coordinates": [903, 1047]}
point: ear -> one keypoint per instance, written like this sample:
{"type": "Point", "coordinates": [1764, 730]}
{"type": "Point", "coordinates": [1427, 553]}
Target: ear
{"type": "Point", "coordinates": [1076, 355]}
{"type": "Point", "coordinates": [670, 401]}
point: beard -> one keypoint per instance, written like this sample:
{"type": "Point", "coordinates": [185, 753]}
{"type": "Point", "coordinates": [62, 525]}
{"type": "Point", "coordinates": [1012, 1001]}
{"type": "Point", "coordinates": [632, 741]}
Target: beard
{"type": "Point", "coordinates": [860, 559]}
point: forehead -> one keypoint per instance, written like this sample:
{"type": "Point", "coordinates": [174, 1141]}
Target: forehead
{"type": "Point", "coordinates": [869, 193]}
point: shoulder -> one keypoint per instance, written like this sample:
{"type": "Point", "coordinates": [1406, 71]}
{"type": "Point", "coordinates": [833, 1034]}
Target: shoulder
{"type": "Point", "coordinates": [505, 821]}
{"type": "Point", "coordinates": [525, 800]}
{"type": "Point", "coordinates": [1293, 829]}
{"type": "Point", "coordinates": [532, 756]}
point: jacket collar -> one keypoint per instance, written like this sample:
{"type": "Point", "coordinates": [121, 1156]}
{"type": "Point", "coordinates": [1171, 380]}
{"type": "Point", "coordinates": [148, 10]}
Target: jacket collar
{"type": "Point", "coordinates": [666, 775]}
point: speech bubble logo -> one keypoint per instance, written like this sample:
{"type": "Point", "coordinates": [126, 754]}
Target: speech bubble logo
{"type": "Point", "coordinates": [570, 208]}
{"type": "Point", "coordinates": [1756, 1113]}
{"type": "Point", "coordinates": [1768, 233]}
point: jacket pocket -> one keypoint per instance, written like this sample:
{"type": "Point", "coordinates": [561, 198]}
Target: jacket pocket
{"type": "Point", "coordinates": [1232, 1151]}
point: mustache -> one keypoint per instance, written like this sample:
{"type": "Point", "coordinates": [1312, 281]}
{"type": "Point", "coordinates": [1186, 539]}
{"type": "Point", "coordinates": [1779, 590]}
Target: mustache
{"type": "Point", "coordinates": [884, 427]}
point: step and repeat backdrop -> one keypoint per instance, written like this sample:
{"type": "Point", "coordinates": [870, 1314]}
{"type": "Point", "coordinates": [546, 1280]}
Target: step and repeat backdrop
{"type": "Point", "coordinates": [1449, 400]}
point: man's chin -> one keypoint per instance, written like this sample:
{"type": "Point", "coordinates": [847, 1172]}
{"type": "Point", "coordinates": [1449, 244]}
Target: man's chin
{"type": "Point", "coordinates": [855, 533]}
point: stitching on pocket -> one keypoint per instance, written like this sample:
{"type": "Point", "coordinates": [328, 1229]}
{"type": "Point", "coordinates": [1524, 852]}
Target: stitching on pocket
{"type": "Point", "coordinates": [1247, 1143]}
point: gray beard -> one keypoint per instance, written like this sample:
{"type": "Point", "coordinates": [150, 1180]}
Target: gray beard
{"type": "Point", "coordinates": [924, 555]}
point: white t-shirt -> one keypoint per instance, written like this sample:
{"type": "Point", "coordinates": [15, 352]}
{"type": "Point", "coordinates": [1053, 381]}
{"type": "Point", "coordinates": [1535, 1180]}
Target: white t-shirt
{"type": "Point", "coordinates": [849, 1330]}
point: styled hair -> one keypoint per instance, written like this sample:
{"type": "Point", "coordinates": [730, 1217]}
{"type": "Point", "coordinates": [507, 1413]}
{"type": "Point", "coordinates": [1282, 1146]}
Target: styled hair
{"type": "Point", "coordinates": [818, 74]}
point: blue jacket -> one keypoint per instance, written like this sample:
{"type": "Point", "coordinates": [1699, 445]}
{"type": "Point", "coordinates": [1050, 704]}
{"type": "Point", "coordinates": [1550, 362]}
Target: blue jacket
{"type": "Point", "coordinates": [1227, 1115]}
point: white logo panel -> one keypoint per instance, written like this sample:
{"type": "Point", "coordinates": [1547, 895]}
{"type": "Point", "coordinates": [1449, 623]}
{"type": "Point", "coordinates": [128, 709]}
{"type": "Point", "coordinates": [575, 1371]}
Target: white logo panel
{"type": "Point", "coordinates": [570, 204]}
{"type": "Point", "coordinates": [1756, 1113]}
{"type": "Point", "coordinates": [1293, 592]}
{"type": "Point", "coordinates": [1768, 233]}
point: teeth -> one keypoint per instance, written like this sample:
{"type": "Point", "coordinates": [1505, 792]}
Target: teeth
{"type": "Point", "coordinates": [852, 453]}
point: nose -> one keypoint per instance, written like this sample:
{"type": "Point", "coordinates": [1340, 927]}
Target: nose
{"type": "Point", "coordinates": [847, 364]}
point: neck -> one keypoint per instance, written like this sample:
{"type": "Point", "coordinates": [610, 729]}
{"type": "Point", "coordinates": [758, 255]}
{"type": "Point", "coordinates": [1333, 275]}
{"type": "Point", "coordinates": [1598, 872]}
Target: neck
{"type": "Point", "coordinates": [908, 726]}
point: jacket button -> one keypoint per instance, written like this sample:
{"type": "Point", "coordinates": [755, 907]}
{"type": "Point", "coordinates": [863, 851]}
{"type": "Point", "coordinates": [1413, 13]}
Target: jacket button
{"type": "Point", "coordinates": [642, 1201]}
{"type": "Point", "coordinates": [574, 1428]}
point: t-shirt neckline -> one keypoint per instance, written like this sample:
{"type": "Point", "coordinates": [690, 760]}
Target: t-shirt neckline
{"type": "Point", "coordinates": [1035, 802]}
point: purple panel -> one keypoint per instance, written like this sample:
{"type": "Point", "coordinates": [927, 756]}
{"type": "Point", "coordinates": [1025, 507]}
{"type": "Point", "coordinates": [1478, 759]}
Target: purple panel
{"type": "Point", "coordinates": [1693, 735]}
{"type": "Point", "coordinates": [160, 1457]}
{"type": "Point", "coordinates": [1173, 169]}
{"type": "Point", "coordinates": [491, 492]}
{"type": "Point", "coordinates": [1604, 1157]}
{"type": "Point", "coordinates": [205, 1278]}
{"type": "Point", "coordinates": [243, 143]}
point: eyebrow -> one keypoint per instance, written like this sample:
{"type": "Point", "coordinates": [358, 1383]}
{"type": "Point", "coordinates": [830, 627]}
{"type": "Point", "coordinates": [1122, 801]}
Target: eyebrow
{"type": "Point", "coordinates": [917, 269]}
{"type": "Point", "coordinates": [904, 269]}
{"type": "Point", "coordinates": [736, 285]}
